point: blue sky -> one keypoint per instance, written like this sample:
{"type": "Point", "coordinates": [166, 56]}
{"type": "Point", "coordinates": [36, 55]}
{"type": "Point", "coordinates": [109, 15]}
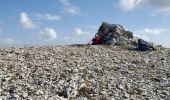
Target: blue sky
{"type": "Point", "coordinates": [49, 22]}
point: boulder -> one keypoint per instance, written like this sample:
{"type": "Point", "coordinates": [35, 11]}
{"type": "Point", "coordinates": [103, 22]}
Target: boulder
{"type": "Point", "coordinates": [112, 34]}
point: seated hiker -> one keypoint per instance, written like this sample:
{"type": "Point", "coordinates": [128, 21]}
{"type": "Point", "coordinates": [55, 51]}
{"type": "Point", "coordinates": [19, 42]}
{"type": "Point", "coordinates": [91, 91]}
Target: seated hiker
{"type": "Point", "coordinates": [144, 45]}
{"type": "Point", "coordinates": [97, 40]}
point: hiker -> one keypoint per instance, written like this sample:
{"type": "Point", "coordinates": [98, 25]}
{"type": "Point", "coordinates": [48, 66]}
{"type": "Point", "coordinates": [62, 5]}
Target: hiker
{"type": "Point", "coordinates": [144, 45]}
{"type": "Point", "coordinates": [96, 40]}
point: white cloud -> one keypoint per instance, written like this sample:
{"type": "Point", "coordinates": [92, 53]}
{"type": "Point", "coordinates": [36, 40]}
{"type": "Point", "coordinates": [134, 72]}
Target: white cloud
{"type": "Point", "coordinates": [47, 17]}
{"type": "Point", "coordinates": [129, 4]}
{"type": "Point", "coordinates": [77, 39]}
{"type": "Point", "coordinates": [65, 2]}
{"type": "Point", "coordinates": [7, 41]}
{"type": "Point", "coordinates": [148, 33]}
{"type": "Point", "coordinates": [25, 21]}
{"type": "Point", "coordinates": [10, 41]}
{"type": "Point", "coordinates": [70, 8]}
{"type": "Point", "coordinates": [155, 31]}
{"type": "Point", "coordinates": [165, 12]}
{"type": "Point", "coordinates": [157, 6]}
{"type": "Point", "coordinates": [142, 36]}
{"type": "Point", "coordinates": [48, 34]}
{"type": "Point", "coordinates": [80, 32]}
{"type": "Point", "coordinates": [79, 36]}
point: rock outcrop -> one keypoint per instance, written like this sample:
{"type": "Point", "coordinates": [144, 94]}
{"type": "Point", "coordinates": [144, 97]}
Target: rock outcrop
{"type": "Point", "coordinates": [84, 72]}
{"type": "Point", "coordinates": [114, 34]}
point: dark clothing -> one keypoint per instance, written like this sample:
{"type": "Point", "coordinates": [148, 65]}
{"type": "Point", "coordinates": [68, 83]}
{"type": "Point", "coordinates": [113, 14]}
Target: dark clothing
{"type": "Point", "coordinates": [144, 45]}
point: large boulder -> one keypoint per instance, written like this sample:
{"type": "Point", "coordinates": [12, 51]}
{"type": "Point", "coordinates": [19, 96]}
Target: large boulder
{"type": "Point", "coordinates": [112, 34]}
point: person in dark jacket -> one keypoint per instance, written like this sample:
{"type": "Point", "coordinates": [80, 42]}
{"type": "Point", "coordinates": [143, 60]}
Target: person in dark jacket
{"type": "Point", "coordinates": [144, 45]}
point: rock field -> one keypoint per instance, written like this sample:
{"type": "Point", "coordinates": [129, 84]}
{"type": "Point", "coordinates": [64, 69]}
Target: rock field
{"type": "Point", "coordinates": [84, 72]}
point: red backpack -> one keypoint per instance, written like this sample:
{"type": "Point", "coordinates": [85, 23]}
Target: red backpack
{"type": "Point", "coordinates": [98, 38]}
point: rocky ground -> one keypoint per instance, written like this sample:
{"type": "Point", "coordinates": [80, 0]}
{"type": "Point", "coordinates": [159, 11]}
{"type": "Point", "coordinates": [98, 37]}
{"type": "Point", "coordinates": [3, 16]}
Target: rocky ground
{"type": "Point", "coordinates": [84, 72]}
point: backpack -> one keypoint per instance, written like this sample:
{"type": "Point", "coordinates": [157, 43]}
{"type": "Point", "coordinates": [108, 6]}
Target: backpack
{"type": "Point", "coordinates": [97, 40]}
{"type": "Point", "coordinates": [143, 45]}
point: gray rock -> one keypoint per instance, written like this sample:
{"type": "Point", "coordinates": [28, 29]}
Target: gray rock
{"type": "Point", "coordinates": [114, 34]}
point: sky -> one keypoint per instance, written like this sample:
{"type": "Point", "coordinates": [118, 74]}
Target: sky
{"type": "Point", "coordinates": [63, 22]}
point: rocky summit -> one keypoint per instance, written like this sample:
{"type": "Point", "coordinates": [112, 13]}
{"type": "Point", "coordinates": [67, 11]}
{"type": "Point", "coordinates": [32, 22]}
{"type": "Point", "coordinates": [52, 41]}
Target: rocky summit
{"type": "Point", "coordinates": [114, 34]}
{"type": "Point", "coordinates": [84, 72]}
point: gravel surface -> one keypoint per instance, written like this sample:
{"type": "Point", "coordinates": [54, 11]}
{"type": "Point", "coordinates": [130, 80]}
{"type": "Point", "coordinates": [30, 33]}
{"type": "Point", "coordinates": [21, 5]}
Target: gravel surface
{"type": "Point", "coordinates": [84, 72]}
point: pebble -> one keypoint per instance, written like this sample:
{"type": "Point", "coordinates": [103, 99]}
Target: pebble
{"type": "Point", "coordinates": [83, 73]}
